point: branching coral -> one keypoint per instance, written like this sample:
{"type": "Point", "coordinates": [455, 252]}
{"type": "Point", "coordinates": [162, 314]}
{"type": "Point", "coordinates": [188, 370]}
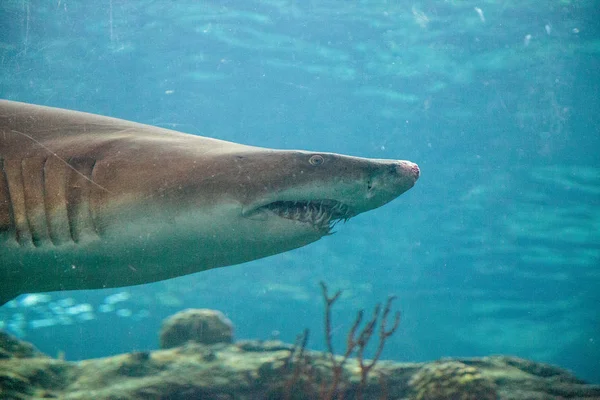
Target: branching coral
{"type": "Point", "coordinates": [334, 385]}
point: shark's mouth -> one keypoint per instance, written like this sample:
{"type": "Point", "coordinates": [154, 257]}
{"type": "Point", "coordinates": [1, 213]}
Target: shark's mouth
{"type": "Point", "coordinates": [323, 215]}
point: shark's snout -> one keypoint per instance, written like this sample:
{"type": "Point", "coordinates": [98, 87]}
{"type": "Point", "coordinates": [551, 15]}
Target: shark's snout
{"type": "Point", "coordinates": [408, 169]}
{"type": "Point", "coordinates": [402, 174]}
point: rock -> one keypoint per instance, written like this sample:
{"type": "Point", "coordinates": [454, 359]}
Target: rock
{"type": "Point", "coordinates": [137, 364]}
{"type": "Point", "coordinates": [196, 325]}
{"type": "Point", "coordinates": [451, 380]}
{"type": "Point", "coordinates": [11, 383]}
{"type": "Point", "coordinates": [10, 347]}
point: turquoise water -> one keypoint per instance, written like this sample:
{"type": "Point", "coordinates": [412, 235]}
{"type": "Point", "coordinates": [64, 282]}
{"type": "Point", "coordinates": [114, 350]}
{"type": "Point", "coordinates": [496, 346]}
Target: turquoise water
{"type": "Point", "coordinates": [495, 250]}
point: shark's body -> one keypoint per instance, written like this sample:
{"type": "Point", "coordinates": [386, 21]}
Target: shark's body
{"type": "Point", "coordinates": [92, 202]}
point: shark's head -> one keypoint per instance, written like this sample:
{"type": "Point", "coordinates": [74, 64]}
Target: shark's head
{"type": "Point", "coordinates": [306, 191]}
{"type": "Point", "coordinates": [235, 203]}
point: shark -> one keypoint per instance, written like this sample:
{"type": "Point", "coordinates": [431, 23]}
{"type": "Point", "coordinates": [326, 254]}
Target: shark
{"type": "Point", "coordinates": [91, 202]}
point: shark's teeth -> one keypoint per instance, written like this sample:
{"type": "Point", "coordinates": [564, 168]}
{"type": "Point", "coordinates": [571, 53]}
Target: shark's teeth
{"type": "Point", "coordinates": [322, 214]}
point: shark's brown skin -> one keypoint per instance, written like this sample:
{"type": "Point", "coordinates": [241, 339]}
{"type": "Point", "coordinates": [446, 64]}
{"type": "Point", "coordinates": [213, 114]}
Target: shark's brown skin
{"type": "Point", "coordinates": [92, 202]}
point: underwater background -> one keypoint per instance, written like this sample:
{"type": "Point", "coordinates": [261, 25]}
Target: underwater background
{"type": "Point", "coordinates": [496, 250]}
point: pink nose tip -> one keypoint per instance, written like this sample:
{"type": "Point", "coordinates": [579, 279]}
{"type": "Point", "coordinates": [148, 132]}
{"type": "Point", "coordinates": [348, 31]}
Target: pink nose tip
{"type": "Point", "coordinates": [407, 168]}
{"type": "Point", "coordinates": [416, 171]}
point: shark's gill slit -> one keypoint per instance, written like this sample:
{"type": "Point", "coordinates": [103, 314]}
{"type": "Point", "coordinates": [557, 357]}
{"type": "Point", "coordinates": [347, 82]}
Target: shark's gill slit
{"type": "Point", "coordinates": [56, 178]}
{"type": "Point", "coordinates": [88, 187]}
{"type": "Point", "coordinates": [44, 197]}
{"type": "Point", "coordinates": [79, 214]}
{"type": "Point", "coordinates": [47, 209]}
{"type": "Point", "coordinates": [7, 217]}
{"type": "Point", "coordinates": [33, 191]}
{"type": "Point", "coordinates": [93, 215]}
{"type": "Point", "coordinates": [14, 179]}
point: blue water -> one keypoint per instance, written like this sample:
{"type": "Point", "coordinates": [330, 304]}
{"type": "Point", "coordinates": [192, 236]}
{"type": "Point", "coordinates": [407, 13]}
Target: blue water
{"type": "Point", "coordinates": [495, 250]}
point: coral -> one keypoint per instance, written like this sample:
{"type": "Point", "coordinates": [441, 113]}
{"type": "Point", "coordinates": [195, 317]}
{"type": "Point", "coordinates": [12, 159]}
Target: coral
{"type": "Point", "coordinates": [196, 325]}
{"type": "Point", "coordinates": [357, 343]}
{"type": "Point", "coordinates": [332, 381]}
{"type": "Point", "coordinates": [451, 380]}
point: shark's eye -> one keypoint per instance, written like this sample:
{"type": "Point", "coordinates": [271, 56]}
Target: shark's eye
{"type": "Point", "coordinates": [316, 160]}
